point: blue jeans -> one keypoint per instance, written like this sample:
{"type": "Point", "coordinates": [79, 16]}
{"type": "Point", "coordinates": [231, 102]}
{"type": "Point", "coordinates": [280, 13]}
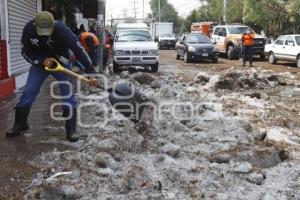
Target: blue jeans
{"type": "Point", "coordinates": [37, 75]}
{"type": "Point", "coordinates": [247, 54]}
{"type": "Point", "coordinates": [94, 55]}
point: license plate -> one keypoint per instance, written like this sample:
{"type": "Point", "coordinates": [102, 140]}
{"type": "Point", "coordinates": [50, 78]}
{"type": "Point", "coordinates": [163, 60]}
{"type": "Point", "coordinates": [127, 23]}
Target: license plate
{"type": "Point", "coordinates": [136, 59]}
{"type": "Point", "coordinates": [205, 54]}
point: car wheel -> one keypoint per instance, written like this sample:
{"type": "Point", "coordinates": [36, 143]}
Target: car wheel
{"type": "Point", "coordinates": [230, 53]}
{"type": "Point", "coordinates": [186, 58]}
{"type": "Point", "coordinates": [116, 68]}
{"type": "Point", "coordinates": [215, 60]}
{"type": "Point", "coordinates": [272, 58]}
{"type": "Point", "coordinates": [154, 68]}
{"type": "Point", "coordinates": [177, 56]}
{"type": "Point", "coordinates": [298, 61]}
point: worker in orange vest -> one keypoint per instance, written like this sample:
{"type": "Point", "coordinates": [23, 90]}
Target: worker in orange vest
{"type": "Point", "coordinates": [248, 43]}
{"type": "Point", "coordinates": [90, 42]}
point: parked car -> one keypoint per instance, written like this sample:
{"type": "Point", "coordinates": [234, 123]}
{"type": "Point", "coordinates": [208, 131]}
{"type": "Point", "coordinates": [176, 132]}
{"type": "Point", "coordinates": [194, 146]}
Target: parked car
{"type": "Point", "coordinates": [166, 40]}
{"type": "Point", "coordinates": [196, 46]}
{"type": "Point", "coordinates": [286, 47]}
{"type": "Point", "coordinates": [228, 40]}
{"type": "Point", "coordinates": [134, 47]}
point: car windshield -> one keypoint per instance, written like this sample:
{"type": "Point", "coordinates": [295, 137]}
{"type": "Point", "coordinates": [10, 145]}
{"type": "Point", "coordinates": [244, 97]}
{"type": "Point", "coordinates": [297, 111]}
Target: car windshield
{"type": "Point", "coordinates": [297, 38]}
{"type": "Point", "coordinates": [239, 29]}
{"type": "Point", "coordinates": [198, 39]}
{"type": "Point", "coordinates": [165, 35]}
{"type": "Point", "coordinates": [133, 35]}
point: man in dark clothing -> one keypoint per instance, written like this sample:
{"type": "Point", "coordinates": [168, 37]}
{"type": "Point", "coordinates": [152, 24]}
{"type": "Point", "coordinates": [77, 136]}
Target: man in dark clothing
{"type": "Point", "coordinates": [42, 39]}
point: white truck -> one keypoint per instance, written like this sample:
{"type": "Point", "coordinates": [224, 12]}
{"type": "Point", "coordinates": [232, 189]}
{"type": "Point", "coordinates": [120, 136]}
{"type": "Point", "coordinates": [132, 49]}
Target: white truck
{"type": "Point", "coordinates": [134, 46]}
{"type": "Point", "coordinates": [163, 34]}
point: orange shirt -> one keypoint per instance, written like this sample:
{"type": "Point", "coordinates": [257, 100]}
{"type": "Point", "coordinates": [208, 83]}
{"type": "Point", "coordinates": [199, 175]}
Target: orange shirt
{"type": "Point", "coordinates": [83, 40]}
{"type": "Point", "coordinates": [248, 39]}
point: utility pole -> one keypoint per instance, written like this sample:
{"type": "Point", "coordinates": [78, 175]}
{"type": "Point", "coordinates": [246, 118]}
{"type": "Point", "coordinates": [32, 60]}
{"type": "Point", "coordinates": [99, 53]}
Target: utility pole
{"type": "Point", "coordinates": [143, 9]}
{"type": "Point", "coordinates": [111, 22]}
{"type": "Point", "coordinates": [159, 18]}
{"type": "Point", "coordinates": [101, 30]}
{"type": "Point", "coordinates": [225, 12]}
{"type": "Point", "coordinates": [125, 13]}
{"type": "Point", "coordinates": [134, 8]}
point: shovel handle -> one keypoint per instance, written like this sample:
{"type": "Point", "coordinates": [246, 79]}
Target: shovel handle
{"type": "Point", "coordinates": [77, 76]}
{"type": "Point", "coordinates": [56, 67]}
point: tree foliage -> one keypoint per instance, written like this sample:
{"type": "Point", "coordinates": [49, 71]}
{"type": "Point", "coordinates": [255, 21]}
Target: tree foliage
{"type": "Point", "coordinates": [273, 16]}
{"type": "Point", "coordinates": [168, 13]}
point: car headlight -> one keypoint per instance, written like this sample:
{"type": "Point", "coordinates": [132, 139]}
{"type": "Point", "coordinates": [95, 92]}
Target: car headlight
{"type": "Point", "coordinates": [192, 49]}
{"type": "Point", "coordinates": [118, 52]}
{"type": "Point", "coordinates": [153, 52]}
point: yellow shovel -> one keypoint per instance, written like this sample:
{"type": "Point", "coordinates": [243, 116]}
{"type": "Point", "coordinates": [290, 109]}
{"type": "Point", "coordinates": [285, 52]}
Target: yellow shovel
{"type": "Point", "coordinates": [124, 97]}
{"type": "Point", "coordinates": [57, 67]}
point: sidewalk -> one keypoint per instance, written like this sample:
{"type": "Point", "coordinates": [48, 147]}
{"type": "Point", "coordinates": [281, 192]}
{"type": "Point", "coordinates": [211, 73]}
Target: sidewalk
{"type": "Point", "coordinates": [44, 135]}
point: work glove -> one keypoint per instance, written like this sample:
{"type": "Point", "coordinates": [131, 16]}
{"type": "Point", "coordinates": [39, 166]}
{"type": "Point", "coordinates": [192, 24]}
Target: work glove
{"type": "Point", "coordinates": [93, 81]}
{"type": "Point", "coordinates": [48, 62]}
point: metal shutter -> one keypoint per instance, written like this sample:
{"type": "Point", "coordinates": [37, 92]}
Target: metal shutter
{"type": "Point", "coordinates": [1, 67]}
{"type": "Point", "coordinates": [19, 13]}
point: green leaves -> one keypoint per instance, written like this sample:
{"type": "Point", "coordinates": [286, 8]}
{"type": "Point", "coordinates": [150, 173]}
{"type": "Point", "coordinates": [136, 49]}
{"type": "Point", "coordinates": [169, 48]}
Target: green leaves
{"type": "Point", "coordinates": [273, 16]}
{"type": "Point", "coordinates": [168, 13]}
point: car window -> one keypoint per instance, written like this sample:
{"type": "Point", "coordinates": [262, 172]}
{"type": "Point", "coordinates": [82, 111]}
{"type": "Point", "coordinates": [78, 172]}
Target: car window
{"type": "Point", "coordinates": [217, 30]}
{"type": "Point", "coordinates": [198, 39]}
{"type": "Point", "coordinates": [224, 32]}
{"type": "Point", "coordinates": [280, 41]}
{"type": "Point", "coordinates": [133, 35]}
{"type": "Point", "coordinates": [289, 41]}
{"type": "Point", "coordinates": [239, 29]}
{"type": "Point", "coordinates": [297, 38]}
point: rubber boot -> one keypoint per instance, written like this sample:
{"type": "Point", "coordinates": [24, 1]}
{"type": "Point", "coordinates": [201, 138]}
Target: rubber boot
{"type": "Point", "coordinates": [20, 124]}
{"type": "Point", "coordinates": [71, 123]}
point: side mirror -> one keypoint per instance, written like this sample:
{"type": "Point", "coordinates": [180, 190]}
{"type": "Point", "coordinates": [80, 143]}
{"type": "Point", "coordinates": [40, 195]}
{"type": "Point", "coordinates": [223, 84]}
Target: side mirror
{"type": "Point", "coordinates": [214, 43]}
{"type": "Point", "coordinates": [180, 41]}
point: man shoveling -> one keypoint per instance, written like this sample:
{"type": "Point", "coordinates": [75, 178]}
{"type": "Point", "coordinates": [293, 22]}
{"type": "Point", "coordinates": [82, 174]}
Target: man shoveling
{"type": "Point", "coordinates": [42, 39]}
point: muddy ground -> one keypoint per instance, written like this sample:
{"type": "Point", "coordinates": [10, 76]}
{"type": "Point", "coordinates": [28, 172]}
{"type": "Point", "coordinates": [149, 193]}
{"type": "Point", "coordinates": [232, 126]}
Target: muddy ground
{"type": "Point", "coordinates": [222, 132]}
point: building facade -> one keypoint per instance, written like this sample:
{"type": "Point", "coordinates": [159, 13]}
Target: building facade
{"type": "Point", "coordinates": [14, 14]}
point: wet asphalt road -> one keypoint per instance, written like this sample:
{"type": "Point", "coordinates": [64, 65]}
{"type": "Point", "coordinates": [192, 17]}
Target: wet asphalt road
{"type": "Point", "coordinates": [45, 134]}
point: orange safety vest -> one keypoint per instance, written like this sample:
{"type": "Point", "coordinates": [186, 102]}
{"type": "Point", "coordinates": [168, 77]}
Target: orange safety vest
{"type": "Point", "coordinates": [248, 39]}
{"type": "Point", "coordinates": [83, 41]}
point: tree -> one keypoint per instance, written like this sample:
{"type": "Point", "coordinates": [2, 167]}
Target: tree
{"type": "Point", "coordinates": [168, 14]}
{"type": "Point", "coordinates": [273, 16]}
{"type": "Point", "coordinates": [197, 15]}
{"type": "Point", "coordinates": [293, 11]}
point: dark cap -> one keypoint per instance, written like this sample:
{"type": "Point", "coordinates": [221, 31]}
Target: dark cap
{"type": "Point", "coordinates": [44, 23]}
